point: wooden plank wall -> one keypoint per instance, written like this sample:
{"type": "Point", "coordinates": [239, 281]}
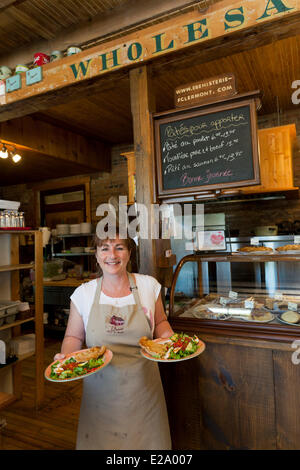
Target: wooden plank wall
{"type": "Point", "coordinates": [234, 397]}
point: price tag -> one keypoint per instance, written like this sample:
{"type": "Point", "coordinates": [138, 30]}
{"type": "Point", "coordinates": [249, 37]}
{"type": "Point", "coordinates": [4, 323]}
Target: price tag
{"type": "Point", "coordinates": [249, 304]}
{"type": "Point", "coordinates": [223, 301]}
{"type": "Point", "coordinates": [233, 295]}
{"type": "Point", "coordinates": [292, 306]}
{"type": "Point", "coordinates": [278, 296]}
{"type": "Point", "coordinates": [297, 239]}
{"type": "Point", "coordinates": [254, 241]}
{"type": "Point", "coordinates": [2, 87]}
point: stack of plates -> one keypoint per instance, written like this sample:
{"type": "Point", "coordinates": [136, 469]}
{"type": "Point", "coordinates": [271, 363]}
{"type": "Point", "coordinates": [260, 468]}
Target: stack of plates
{"type": "Point", "coordinates": [76, 249]}
{"type": "Point", "coordinates": [85, 227]}
{"type": "Point", "coordinates": [75, 228]}
{"type": "Point", "coordinates": [62, 229]}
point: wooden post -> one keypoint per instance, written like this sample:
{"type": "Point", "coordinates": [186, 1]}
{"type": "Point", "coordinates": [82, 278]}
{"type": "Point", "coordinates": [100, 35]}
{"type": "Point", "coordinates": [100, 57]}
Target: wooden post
{"type": "Point", "coordinates": [39, 325]}
{"type": "Point", "coordinates": [142, 104]}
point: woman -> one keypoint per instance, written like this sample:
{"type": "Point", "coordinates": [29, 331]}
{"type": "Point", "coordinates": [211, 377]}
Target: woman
{"type": "Point", "coordinates": [123, 406]}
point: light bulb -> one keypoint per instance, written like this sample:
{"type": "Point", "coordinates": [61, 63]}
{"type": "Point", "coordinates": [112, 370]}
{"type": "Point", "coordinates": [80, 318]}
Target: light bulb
{"type": "Point", "coordinates": [16, 158]}
{"type": "Point", "coordinates": [3, 152]}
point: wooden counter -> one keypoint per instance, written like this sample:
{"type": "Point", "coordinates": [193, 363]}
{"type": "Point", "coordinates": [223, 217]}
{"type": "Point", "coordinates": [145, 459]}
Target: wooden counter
{"type": "Point", "coordinates": [240, 393]}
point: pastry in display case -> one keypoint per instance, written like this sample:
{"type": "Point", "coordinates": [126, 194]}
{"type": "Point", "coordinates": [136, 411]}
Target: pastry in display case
{"type": "Point", "coordinates": [255, 249]}
{"type": "Point", "coordinates": [252, 303]}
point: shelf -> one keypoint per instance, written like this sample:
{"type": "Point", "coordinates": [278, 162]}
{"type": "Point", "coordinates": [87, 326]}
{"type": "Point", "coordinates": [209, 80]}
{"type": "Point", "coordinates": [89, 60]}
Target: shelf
{"type": "Point", "coordinates": [66, 282]}
{"type": "Point", "coordinates": [6, 399]}
{"type": "Point", "coordinates": [16, 323]}
{"type": "Point", "coordinates": [71, 254]}
{"type": "Point", "coordinates": [20, 358]}
{"type": "Point", "coordinates": [69, 235]}
{"type": "Point", "coordinates": [37, 317]}
{"type": "Point", "coordinates": [246, 258]}
{"type": "Point", "coordinates": [15, 267]}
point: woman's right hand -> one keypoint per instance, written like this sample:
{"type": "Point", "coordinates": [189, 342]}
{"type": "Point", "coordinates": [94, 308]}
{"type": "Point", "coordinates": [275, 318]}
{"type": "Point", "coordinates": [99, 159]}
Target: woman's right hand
{"type": "Point", "coordinates": [59, 357]}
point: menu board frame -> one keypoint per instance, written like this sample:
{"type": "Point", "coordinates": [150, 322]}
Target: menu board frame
{"type": "Point", "coordinates": [181, 114]}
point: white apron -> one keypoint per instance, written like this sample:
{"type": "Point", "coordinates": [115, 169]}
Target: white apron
{"type": "Point", "coordinates": [123, 406]}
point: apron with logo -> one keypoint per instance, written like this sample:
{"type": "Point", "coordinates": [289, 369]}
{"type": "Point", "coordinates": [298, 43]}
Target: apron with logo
{"type": "Point", "coordinates": [123, 406]}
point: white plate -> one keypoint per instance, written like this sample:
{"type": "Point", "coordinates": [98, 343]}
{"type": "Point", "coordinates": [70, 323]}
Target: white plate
{"type": "Point", "coordinates": [288, 252]}
{"type": "Point", "coordinates": [266, 252]}
{"type": "Point", "coordinates": [257, 321]}
{"type": "Point", "coordinates": [212, 317]}
{"type": "Point", "coordinates": [107, 357]}
{"type": "Point", "coordinates": [287, 323]}
{"type": "Point", "coordinates": [201, 348]}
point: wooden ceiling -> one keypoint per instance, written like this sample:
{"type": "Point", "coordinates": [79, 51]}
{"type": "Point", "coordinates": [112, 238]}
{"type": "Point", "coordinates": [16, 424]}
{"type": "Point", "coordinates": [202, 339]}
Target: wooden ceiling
{"type": "Point", "coordinates": [26, 21]}
{"type": "Point", "coordinates": [107, 115]}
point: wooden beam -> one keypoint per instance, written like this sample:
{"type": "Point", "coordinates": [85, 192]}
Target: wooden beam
{"type": "Point", "coordinates": [142, 104]}
{"type": "Point", "coordinates": [186, 31]}
{"type": "Point", "coordinates": [48, 139]}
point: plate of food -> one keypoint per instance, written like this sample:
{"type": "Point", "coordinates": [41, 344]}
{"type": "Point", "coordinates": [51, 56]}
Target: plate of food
{"type": "Point", "coordinates": [263, 316]}
{"type": "Point", "coordinates": [289, 318]}
{"type": "Point", "coordinates": [288, 250]}
{"type": "Point", "coordinates": [178, 347]}
{"type": "Point", "coordinates": [255, 250]}
{"type": "Point", "coordinates": [79, 364]}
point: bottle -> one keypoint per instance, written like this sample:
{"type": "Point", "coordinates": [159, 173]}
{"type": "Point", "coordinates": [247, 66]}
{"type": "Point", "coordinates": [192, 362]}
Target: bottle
{"type": "Point", "coordinates": [21, 219]}
{"type": "Point", "coordinates": [2, 219]}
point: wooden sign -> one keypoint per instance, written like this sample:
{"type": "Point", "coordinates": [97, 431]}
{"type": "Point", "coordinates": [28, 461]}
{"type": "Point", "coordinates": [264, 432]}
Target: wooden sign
{"type": "Point", "coordinates": [185, 31]}
{"type": "Point", "coordinates": [205, 91]}
{"type": "Point", "coordinates": [208, 148]}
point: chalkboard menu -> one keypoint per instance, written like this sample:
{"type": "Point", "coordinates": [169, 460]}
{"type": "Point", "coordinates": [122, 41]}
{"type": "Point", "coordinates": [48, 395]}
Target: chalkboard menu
{"type": "Point", "coordinates": [206, 149]}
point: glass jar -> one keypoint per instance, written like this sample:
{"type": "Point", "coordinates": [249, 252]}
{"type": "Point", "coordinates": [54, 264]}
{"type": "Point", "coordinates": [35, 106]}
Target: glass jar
{"type": "Point", "coordinates": [2, 219]}
{"type": "Point", "coordinates": [7, 219]}
{"type": "Point", "coordinates": [21, 219]}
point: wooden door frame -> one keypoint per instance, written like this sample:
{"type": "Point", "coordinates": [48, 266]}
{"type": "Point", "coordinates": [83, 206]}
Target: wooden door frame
{"type": "Point", "coordinates": [61, 184]}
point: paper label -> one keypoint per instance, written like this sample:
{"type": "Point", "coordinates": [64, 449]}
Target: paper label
{"type": "Point", "coordinates": [233, 295]}
{"type": "Point", "coordinates": [297, 239]}
{"type": "Point", "coordinates": [223, 301]}
{"type": "Point", "coordinates": [254, 241]}
{"type": "Point", "coordinates": [2, 87]}
{"type": "Point", "coordinates": [292, 306]}
{"type": "Point", "coordinates": [249, 304]}
{"type": "Point", "coordinates": [278, 296]}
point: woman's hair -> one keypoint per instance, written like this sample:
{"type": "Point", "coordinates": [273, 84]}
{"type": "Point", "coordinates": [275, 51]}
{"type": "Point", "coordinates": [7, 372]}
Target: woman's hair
{"type": "Point", "coordinates": [129, 242]}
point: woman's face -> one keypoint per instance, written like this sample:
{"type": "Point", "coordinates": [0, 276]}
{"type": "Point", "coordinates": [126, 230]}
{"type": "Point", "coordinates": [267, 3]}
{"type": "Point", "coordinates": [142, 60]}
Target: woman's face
{"type": "Point", "coordinates": [113, 256]}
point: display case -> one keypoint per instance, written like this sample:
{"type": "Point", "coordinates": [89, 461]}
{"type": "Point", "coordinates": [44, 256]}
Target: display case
{"type": "Point", "coordinates": [264, 303]}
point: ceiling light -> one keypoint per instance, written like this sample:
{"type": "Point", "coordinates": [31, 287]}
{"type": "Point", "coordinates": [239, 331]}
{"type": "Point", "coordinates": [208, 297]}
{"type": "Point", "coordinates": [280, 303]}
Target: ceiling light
{"type": "Point", "coordinates": [16, 158]}
{"type": "Point", "coordinates": [3, 152]}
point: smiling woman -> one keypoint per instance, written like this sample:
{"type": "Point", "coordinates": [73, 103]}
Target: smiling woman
{"type": "Point", "coordinates": [116, 311]}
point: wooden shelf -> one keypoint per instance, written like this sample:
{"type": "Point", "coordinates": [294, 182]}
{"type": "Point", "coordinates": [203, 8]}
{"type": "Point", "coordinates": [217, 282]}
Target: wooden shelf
{"type": "Point", "coordinates": [246, 258]}
{"type": "Point", "coordinates": [55, 255]}
{"type": "Point", "coordinates": [69, 282]}
{"type": "Point", "coordinates": [16, 323]}
{"type": "Point", "coordinates": [6, 399]}
{"type": "Point", "coordinates": [37, 317]}
{"type": "Point", "coordinates": [22, 357]}
{"type": "Point", "coordinates": [15, 267]}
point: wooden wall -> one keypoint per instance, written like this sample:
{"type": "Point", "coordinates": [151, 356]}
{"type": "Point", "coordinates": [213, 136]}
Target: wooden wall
{"type": "Point", "coordinates": [234, 397]}
{"type": "Point", "coordinates": [243, 216]}
{"type": "Point", "coordinates": [103, 185]}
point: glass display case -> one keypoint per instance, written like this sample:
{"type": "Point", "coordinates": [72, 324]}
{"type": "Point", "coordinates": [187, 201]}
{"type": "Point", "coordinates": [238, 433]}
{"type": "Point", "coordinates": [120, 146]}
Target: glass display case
{"type": "Point", "coordinates": [252, 291]}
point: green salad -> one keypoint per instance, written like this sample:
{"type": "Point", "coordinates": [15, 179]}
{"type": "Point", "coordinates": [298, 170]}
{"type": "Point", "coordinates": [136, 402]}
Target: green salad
{"type": "Point", "coordinates": [71, 368]}
{"type": "Point", "coordinates": [182, 345]}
